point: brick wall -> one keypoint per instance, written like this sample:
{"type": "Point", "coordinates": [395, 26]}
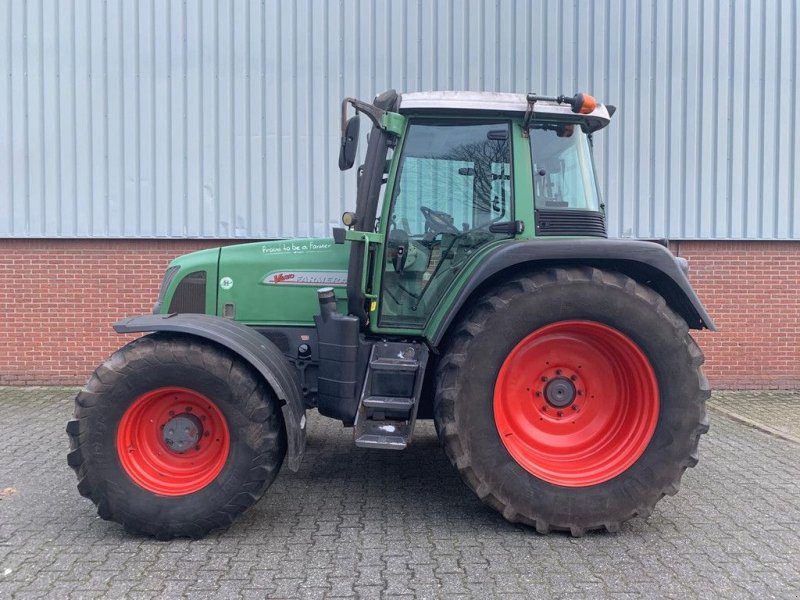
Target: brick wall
{"type": "Point", "coordinates": [59, 298]}
{"type": "Point", "coordinates": [752, 291]}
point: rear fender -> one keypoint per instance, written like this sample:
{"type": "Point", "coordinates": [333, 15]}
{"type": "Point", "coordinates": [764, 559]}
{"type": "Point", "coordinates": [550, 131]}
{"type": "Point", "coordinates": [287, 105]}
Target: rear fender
{"type": "Point", "coordinates": [648, 263]}
{"type": "Point", "coordinates": [251, 347]}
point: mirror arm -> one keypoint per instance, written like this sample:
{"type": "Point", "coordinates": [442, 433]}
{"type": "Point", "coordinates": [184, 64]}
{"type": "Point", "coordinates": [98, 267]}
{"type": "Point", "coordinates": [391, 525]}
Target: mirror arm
{"type": "Point", "coordinates": [374, 113]}
{"type": "Point", "coordinates": [526, 121]}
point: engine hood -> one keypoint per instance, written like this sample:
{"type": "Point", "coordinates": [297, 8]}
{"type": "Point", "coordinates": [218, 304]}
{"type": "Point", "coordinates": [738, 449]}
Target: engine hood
{"type": "Point", "coordinates": [276, 282]}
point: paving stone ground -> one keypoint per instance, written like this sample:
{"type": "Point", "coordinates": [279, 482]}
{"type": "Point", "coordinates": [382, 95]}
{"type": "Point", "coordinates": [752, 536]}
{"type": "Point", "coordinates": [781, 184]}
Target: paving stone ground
{"type": "Point", "coordinates": [371, 524]}
{"type": "Point", "coordinates": [776, 411]}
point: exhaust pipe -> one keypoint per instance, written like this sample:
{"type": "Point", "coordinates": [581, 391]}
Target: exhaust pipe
{"type": "Point", "coordinates": [327, 303]}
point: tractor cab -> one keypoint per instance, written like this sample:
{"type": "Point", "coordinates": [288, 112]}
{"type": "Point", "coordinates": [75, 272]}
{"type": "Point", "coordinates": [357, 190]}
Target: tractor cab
{"type": "Point", "coordinates": [448, 178]}
{"type": "Point", "coordinates": [448, 175]}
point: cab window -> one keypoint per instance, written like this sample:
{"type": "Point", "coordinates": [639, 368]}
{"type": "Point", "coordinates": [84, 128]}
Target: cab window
{"type": "Point", "coordinates": [563, 175]}
{"type": "Point", "coordinates": [454, 182]}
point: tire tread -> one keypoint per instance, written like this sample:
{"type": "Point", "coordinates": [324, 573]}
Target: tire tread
{"type": "Point", "coordinates": [259, 407]}
{"type": "Point", "coordinates": [475, 322]}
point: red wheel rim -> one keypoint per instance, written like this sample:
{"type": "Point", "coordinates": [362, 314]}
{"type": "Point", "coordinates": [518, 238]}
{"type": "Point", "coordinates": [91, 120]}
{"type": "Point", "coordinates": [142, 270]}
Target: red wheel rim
{"type": "Point", "coordinates": [576, 403]}
{"type": "Point", "coordinates": [173, 441]}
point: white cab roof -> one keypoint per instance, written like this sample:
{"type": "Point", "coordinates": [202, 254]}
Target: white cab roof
{"type": "Point", "coordinates": [492, 101]}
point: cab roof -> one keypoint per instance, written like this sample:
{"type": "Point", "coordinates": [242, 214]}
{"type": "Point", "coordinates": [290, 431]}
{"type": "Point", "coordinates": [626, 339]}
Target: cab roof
{"type": "Point", "coordinates": [498, 102]}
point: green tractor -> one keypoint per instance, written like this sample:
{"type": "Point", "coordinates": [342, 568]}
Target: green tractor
{"type": "Point", "coordinates": [474, 284]}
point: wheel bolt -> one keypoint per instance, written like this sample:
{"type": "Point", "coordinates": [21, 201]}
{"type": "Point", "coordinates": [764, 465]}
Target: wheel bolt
{"type": "Point", "coordinates": [172, 413]}
{"type": "Point", "coordinates": [544, 407]}
{"type": "Point", "coordinates": [575, 407]}
{"type": "Point", "coordinates": [558, 371]}
{"type": "Point", "coordinates": [538, 393]}
{"type": "Point", "coordinates": [560, 414]}
{"type": "Point", "coordinates": [580, 392]}
{"type": "Point", "coordinates": [574, 378]}
{"type": "Point", "coordinates": [544, 378]}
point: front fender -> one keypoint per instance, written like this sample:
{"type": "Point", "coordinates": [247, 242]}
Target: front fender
{"type": "Point", "coordinates": [251, 347]}
{"type": "Point", "coordinates": [648, 263]}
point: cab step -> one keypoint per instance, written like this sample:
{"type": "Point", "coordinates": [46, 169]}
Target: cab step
{"type": "Point", "coordinates": [387, 410]}
{"type": "Point", "coordinates": [384, 435]}
{"type": "Point", "coordinates": [404, 405]}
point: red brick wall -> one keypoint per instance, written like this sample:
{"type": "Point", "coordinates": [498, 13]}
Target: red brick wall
{"type": "Point", "coordinates": [59, 298]}
{"type": "Point", "coordinates": [752, 291]}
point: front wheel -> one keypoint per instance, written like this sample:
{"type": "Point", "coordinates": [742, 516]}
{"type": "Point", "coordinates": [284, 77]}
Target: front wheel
{"type": "Point", "coordinates": [174, 436]}
{"type": "Point", "coordinates": [571, 399]}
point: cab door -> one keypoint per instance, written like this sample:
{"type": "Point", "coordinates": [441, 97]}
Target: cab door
{"type": "Point", "coordinates": [453, 195]}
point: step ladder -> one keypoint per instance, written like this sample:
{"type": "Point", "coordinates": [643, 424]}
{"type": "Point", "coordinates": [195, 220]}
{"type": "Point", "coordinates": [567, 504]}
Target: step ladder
{"type": "Point", "coordinates": [387, 410]}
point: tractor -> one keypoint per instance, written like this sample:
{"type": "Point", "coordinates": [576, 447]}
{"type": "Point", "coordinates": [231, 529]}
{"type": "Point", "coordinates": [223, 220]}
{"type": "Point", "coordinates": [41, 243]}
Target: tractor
{"type": "Point", "coordinates": [474, 284]}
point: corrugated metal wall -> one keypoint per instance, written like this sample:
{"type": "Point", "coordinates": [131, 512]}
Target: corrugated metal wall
{"type": "Point", "coordinates": [218, 118]}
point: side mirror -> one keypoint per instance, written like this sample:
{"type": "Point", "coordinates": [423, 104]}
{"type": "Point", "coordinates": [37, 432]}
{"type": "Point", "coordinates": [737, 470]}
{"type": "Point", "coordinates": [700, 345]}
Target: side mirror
{"type": "Point", "coordinates": [349, 146]}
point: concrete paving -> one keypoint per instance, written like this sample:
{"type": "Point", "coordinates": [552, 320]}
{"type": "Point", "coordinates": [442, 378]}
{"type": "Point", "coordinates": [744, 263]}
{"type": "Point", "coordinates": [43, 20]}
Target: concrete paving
{"type": "Point", "coordinates": [372, 524]}
{"type": "Point", "coordinates": [775, 411]}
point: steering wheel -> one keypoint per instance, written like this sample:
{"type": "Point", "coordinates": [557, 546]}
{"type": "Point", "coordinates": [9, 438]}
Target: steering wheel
{"type": "Point", "coordinates": [437, 222]}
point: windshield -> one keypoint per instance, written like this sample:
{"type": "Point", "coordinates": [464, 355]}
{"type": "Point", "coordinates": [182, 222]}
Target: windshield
{"type": "Point", "coordinates": [563, 174]}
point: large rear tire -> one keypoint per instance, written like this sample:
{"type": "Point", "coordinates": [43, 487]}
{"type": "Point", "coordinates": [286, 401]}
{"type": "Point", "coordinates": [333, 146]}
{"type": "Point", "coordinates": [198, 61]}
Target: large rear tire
{"type": "Point", "coordinates": [571, 399]}
{"type": "Point", "coordinates": [174, 437]}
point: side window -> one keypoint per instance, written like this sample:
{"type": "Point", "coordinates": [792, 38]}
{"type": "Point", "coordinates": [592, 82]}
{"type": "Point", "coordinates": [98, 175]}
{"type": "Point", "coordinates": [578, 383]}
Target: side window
{"type": "Point", "coordinates": [563, 175]}
{"type": "Point", "coordinates": [454, 181]}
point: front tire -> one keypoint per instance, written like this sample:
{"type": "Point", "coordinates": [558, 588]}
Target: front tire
{"type": "Point", "coordinates": [571, 399]}
{"type": "Point", "coordinates": [174, 437]}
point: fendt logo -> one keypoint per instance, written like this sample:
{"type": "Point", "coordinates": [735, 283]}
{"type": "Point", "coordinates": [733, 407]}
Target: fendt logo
{"type": "Point", "coordinates": [282, 277]}
{"type": "Point", "coordinates": [306, 278]}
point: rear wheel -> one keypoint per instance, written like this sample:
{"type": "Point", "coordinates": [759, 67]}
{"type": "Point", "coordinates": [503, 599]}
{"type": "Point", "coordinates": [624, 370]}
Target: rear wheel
{"type": "Point", "coordinates": [175, 436]}
{"type": "Point", "coordinates": [571, 399]}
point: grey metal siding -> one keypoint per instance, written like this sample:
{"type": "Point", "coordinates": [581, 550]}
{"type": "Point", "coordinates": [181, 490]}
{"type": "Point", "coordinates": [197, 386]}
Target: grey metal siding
{"type": "Point", "coordinates": [219, 118]}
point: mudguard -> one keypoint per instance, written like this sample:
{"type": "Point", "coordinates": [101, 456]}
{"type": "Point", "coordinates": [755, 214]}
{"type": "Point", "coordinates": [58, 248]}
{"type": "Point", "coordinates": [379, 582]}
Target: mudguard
{"type": "Point", "coordinates": [648, 263]}
{"type": "Point", "coordinates": [252, 347]}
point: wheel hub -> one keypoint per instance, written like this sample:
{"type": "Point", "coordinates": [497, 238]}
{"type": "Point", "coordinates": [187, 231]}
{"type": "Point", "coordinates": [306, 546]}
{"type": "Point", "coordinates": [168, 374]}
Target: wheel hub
{"type": "Point", "coordinates": [576, 403]}
{"type": "Point", "coordinates": [182, 432]}
{"type": "Point", "coordinates": [560, 392]}
{"type": "Point", "coordinates": [173, 441]}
